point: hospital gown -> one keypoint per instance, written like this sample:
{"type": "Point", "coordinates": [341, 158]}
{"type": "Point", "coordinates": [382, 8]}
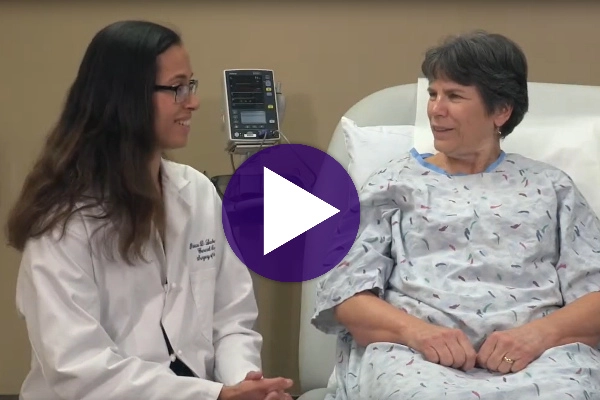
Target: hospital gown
{"type": "Point", "coordinates": [480, 253]}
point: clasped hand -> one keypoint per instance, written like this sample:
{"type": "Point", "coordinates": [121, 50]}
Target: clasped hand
{"type": "Point", "coordinates": [503, 351]}
{"type": "Point", "coordinates": [255, 387]}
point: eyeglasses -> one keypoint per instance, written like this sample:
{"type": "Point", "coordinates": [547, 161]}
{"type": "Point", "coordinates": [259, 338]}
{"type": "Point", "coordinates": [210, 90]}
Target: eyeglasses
{"type": "Point", "coordinates": [182, 92]}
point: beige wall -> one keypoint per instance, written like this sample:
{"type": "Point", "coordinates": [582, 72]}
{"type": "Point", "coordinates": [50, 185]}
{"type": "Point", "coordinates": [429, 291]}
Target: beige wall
{"type": "Point", "coordinates": [328, 55]}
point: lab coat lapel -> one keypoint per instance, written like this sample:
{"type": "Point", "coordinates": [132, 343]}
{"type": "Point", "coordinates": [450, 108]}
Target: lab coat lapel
{"type": "Point", "coordinates": [177, 208]}
{"type": "Point", "coordinates": [178, 211]}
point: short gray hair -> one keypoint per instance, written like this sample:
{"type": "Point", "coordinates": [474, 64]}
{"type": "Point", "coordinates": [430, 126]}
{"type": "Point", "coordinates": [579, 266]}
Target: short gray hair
{"type": "Point", "coordinates": [492, 63]}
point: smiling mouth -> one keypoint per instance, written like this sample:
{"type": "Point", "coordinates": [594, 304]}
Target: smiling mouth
{"type": "Point", "coordinates": [184, 123]}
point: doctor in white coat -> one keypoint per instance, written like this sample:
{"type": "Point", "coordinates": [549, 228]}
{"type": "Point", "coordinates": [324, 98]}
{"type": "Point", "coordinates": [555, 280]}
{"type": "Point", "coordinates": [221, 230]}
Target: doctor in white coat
{"type": "Point", "coordinates": [127, 284]}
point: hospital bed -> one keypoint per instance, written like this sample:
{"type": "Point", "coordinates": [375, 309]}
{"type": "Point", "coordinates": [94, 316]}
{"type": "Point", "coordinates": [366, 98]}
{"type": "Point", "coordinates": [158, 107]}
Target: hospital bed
{"type": "Point", "coordinates": [562, 128]}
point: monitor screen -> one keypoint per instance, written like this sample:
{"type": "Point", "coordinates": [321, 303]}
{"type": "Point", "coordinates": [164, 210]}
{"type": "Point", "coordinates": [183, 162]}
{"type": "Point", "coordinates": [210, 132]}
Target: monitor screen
{"type": "Point", "coordinates": [253, 117]}
{"type": "Point", "coordinates": [245, 83]}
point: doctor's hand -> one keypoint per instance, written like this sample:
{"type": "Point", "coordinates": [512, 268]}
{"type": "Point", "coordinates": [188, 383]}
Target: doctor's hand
{"type": "Point", "coordinates": [279, 395]}
{"type": "Point", "coordinates": [253, 376]}
{"type": "Point", "coordinates": [253, 388]}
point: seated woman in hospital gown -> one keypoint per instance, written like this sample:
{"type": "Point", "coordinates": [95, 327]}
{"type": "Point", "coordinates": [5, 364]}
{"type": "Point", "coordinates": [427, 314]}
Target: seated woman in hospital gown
{"type": "Point", "coordinates": [475, 273]}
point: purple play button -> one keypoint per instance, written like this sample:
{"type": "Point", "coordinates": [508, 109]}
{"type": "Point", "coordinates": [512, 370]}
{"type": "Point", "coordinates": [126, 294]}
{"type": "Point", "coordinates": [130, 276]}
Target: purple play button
{"type": "Point", "coordinates": [291, 213]}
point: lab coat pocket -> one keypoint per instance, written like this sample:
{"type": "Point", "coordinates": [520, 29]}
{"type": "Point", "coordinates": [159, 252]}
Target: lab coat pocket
{"type": "Point", "coordinates": [203, 283]}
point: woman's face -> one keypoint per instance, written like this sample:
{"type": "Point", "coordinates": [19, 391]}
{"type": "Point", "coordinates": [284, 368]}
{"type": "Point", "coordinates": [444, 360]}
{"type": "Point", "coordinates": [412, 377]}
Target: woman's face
{"type": "Point", "coordinates": [459, 121]}
{"type": "Point", "coordinates": [172, 123]}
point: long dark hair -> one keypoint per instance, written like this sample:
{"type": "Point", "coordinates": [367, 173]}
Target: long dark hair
{"type": "Point", "coordinates": [98, 154]}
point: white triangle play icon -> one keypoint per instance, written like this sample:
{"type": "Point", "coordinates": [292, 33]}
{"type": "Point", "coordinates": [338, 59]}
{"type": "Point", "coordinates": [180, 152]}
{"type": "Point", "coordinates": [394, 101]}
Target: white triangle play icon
{"type": "Point", "coordinates": [289, 211]}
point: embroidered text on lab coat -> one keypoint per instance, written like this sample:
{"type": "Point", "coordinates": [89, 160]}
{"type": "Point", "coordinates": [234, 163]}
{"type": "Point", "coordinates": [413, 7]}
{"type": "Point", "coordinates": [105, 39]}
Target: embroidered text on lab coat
{"type": "Point", "coordinates": [205, 248]}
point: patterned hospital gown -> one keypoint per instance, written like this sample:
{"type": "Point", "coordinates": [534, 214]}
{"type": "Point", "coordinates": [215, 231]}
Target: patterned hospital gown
{"type": "Point", "coordinates": [480, 252]}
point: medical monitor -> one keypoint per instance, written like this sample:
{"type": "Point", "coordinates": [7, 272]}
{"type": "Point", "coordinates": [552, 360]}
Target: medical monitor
{"type": "Point", "coordinates": [250, 112]}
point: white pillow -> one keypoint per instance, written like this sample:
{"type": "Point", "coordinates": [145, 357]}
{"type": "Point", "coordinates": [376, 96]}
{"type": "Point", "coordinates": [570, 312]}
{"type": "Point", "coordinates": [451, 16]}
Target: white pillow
{"type": "Point", "coordinates": [571, 145]}
{"type": "Point", "coordinates": [561, 129]}
{"type": "Point", "coordinates": [370, 147]}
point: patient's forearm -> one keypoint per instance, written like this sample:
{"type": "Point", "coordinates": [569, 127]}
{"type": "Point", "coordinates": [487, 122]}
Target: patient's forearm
{"type": "Point", "coordinates": [576, 322]}
{"type": "Point", "coordinates": [591, 341]}
{"type": "Point", "coordinates": [370, 319]}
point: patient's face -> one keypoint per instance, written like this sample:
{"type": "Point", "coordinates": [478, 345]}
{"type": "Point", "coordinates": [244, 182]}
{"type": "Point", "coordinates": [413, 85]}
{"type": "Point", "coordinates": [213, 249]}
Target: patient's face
{"type": "Point", "coordinates": [458, 119]}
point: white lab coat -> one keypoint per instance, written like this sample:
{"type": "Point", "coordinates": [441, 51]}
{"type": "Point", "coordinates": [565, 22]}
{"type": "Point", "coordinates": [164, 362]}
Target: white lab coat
{"type": "Point", "coordinates": [94, 323]}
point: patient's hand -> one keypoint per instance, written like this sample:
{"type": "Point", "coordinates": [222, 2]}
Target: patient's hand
{"type": "Point", "coordinates": [445, 346]}
{"type": "Point", "coordinates": [520, 345]}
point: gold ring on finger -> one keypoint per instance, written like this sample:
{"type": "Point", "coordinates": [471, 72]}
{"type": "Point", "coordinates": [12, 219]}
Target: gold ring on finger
{"type": "Point", "coordinates": [509, 360]}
